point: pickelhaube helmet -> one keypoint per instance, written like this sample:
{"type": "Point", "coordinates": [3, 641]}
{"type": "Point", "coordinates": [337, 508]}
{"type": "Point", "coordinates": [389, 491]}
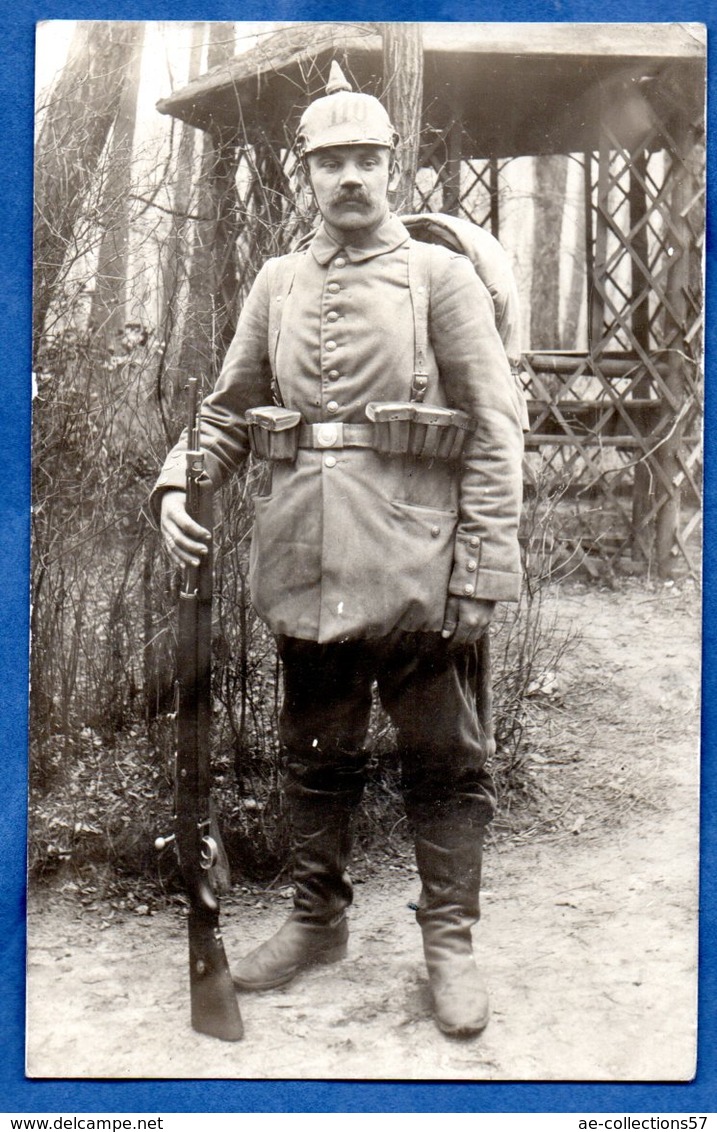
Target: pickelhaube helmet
{"type": "Point", "coordinates": [343, 117]}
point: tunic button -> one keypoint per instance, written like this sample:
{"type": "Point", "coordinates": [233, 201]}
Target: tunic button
{"type": "Point", "coordinates": [329, 461]}
{"type": "Point", "coordinates": [475, 541]}
{"type": "Point", "coordinates": [330, 345]}
{"type": "Point", "coordinates": [333, 375]}
{"type": "Point", "coordinates": [435, 531]}
{"type": "Point", "coordinates": [332, 316]}
{"type": "Point", "coordinates": [333, 407]}
{"type": "Point", "coordinates": [471, 565]}
{"type": "Point", "coordinates": [334, 288]}
{"type": "Point", "coordinates": [340, 262]}
{"type": "Point", "coordinates": [468, 591]}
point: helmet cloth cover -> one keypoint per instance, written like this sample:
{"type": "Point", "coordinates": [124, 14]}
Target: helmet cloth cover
{"type": "Point", "coordinates": [343, 117]}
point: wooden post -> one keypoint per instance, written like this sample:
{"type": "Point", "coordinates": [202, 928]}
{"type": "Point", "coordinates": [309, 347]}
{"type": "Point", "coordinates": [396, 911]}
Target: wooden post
{"type": "Point", "coordinates": [597, 289]}
{"type": "Point", "coordinates": [676, 289]}
{"type": "Point", "coordinates": [641, 333]}
{"type": "Point", "coordinates": [589, 215]}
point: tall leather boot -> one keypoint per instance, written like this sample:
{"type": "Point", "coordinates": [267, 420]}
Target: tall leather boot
{"type": "Point", "coordinates": [317, 929]}
{"type": "Point", "coordinates": [449, 849]}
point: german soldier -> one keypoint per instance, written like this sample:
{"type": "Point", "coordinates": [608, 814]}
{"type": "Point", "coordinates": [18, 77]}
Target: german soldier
{"type": "Point", "coordinates": [368, 369]}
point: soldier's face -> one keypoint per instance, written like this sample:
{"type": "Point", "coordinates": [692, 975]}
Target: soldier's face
{"type": "Point", "coordinates": [351, 184]}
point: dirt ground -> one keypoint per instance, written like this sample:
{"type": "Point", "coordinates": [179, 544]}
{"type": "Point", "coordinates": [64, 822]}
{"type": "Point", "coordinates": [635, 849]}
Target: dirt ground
{"type": "Point", "coordinates": [589, 930]}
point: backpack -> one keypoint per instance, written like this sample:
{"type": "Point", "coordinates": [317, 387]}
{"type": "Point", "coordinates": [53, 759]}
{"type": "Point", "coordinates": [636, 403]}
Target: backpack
{"type": "Point", "coordinates": [489, 260]}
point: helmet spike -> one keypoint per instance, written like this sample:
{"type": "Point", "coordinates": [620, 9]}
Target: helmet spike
{"type": "Point", "coordinates": [337, 80]}
{"type": "Point", "coordinates": [343, 116]}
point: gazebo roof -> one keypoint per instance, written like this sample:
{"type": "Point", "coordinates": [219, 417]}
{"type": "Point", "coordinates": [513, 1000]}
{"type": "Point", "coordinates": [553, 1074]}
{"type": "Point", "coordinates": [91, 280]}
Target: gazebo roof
{"type": "Point", "coordinates": [517, 89]}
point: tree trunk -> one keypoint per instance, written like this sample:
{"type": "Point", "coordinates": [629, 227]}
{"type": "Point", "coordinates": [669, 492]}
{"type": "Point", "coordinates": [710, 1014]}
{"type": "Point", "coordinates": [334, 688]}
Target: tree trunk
{"type": "Point", "coordinates": [175, 252]}
{"type": "Point", "coordinates": [107, 316]}
{"type": "Point", "coordinates": [403, 95]}
{"type": "Point", "coordinates": [574, 322]}
{"type": "Point", "coordinates": [198, 354]}
{"type": "Point", "coordinates": [551, 174]}
{"type": "Point", "coordinates": [80, 115]}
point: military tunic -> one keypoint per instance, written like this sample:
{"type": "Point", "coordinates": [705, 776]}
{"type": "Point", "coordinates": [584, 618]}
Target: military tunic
{"type": "Point", "coordinates": [349, 543]}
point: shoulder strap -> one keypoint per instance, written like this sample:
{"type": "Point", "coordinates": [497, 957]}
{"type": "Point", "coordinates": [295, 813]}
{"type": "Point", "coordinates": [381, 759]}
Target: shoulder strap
{"type": "Point", "coordinates": [419, 286]}
{"type": "Point", "coordinates": [493, 268]}
{"type": "Point", "coordinates": [280, 278]}
{"type": "Point", "coordinates": [490, 262]}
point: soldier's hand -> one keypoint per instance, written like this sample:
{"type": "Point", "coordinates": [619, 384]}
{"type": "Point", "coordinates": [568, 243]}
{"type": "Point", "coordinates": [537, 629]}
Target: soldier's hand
{"type": "Point", "coordinates": [466, 619]}
{"type": "Point", "coordinates": [185, 540]}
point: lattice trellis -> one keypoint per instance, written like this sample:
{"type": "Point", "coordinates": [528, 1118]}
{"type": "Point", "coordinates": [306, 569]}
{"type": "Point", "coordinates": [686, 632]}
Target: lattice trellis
{"type": "Point", "coordinates": [616, 432]}
{"type": "Point", "coordinates": [450, 180]}
{"type": "Point", "coordinates": [643, 262]}
{"type": "Point", "coordinates": [595, 426]}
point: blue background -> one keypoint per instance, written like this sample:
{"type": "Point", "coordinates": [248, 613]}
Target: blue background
{"type": "Point", "coordinates": [18, 1094]}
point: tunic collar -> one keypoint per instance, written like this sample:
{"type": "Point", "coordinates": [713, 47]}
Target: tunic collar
{"type": "Point", "coordinates": [389, 235]}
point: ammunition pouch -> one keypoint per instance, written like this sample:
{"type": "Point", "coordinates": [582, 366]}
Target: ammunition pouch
{"type": "Point", "coordinates": [413, 429]}
{"type": "Point", "coordinates": [397, 428]}
{"type": "Point", "coordinates": [273, 432]}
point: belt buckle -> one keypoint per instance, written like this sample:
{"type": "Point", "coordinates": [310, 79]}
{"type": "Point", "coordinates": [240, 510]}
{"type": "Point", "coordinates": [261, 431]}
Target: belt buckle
{"type": "Point", "coordinates": [328, 434]}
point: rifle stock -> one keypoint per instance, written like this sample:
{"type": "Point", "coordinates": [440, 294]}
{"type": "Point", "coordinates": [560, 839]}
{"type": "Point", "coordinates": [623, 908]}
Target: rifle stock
{"type": "Point", "coordinates": [214, 1007]}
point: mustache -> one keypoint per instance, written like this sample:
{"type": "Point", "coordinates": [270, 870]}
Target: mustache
{"type": "Point", "coordinates": [350, 197]}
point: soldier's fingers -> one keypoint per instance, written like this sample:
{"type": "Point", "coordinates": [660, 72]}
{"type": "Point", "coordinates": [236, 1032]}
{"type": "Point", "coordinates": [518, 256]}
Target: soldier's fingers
{"type": "Point", "coordinates": [175, 517]}
{"type": "Point", "coordinates": [451, 618]}
{"type": "Point", "coordinates": [179, 556]}
{"type": "Point", "coordinates": [188, 548]}
{"type": "Point", "coordinates": [182, 548]}
{"type": "Point", "coordinates": [184, 523]}
{"type": "Point", "coordinates": [172, 551]}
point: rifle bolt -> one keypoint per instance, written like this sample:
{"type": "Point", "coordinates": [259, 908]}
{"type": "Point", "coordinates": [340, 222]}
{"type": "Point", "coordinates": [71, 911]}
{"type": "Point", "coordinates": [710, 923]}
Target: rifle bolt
{"type": "Point", "coordinates": [162, 842]}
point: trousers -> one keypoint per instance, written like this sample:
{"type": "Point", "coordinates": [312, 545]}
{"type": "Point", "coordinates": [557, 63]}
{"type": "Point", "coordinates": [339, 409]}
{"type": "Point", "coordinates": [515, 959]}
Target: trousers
{"type": "Point", "coordinates": [427, 688]}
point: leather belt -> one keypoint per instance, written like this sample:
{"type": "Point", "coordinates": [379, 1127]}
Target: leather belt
{"type": "Point", "coordinates": [336, 434]}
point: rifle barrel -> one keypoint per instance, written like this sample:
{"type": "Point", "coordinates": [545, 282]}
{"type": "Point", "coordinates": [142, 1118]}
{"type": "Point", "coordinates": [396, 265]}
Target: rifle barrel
{"type": "Point", "coordinates": [192, 412]}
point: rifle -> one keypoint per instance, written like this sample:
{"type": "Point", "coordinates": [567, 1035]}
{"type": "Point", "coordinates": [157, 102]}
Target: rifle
{"type": "Point", "coordinates": [214, 1006]}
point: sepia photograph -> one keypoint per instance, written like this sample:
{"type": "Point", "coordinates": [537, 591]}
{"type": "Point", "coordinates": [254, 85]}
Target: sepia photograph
{"type": "Point", "coordinates": [366, 563]}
